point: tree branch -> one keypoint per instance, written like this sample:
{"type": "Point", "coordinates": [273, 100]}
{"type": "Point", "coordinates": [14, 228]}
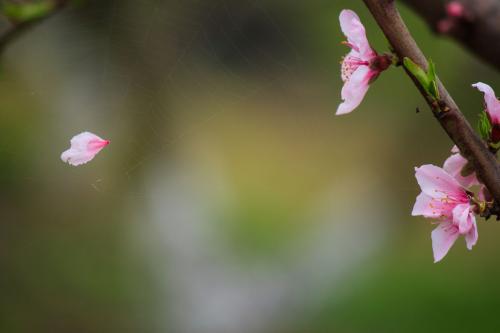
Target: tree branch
{"type": "Point", "coordinates": [16, 29]}
{"type": "Point", "coordinates": [478, 33]}
{"type": "Point", "coordinates": [446, 111]}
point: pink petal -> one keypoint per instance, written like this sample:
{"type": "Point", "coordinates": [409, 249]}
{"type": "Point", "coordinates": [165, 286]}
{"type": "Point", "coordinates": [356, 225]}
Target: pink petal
{"type": "Point", "coordinates": [454, 165]}
{"type": "Point", "coordinates": [437, 183]}
{"type": "Point", "coordinates": [422, 206]}
{"type": "Point", "coordinates": [455, 150]}
{"type": "Point", "coordinates": [472, 236]}
{"type": "Point", "coordinates": [463, 218]}
{"type": "Point", "coordinates": [355, 32]}
{"type": "Point", "coordinates": [443, 238]}
{"type": "Point", "coordinates": [492, 103]}
{"type": "Point", "coordinates": [354, 90]}
{"type": "Point", "coordinates": [84, 147]}
{"type": "Point", "coordinates": [426, 206]}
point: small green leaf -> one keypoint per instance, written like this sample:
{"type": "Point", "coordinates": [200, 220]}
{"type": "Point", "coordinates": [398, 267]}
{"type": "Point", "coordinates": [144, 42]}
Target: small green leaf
{"type": "Point", "coordinates": [416, 71]}
{"type": "Point", "coordinates": [23, 12]}
{"type": "Point", "coordinates": [484, 126]}
{"type": "Point", "coordinates": [427, 80]}
{"type": "Point", "coordinates": [431, 75]}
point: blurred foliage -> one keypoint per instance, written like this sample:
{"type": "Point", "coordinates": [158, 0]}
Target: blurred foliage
{"type": "Point", "coordinates": [27, 11]}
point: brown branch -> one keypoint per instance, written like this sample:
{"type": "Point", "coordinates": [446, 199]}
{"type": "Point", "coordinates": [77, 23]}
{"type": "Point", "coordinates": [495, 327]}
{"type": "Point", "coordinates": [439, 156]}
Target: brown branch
{"type": "Point", "coordinates": [446, 111]}
{"type": "Point", "coordinates": [479, 33]}
{"type": "Point", "coordinates": [16, 29]}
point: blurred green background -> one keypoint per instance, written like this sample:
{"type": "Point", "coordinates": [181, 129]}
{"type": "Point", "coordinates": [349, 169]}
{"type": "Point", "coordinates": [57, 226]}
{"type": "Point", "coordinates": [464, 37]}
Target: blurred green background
{"type": "Point", "coordinates": [231, 199]}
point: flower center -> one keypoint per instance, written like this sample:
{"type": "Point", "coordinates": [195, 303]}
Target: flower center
{"type": "Point", "coordinates": [349, 65]}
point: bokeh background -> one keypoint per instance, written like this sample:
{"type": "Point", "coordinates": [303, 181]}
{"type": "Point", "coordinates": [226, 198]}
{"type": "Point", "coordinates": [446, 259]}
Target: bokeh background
{"type": "Point", "coordinates": [231, 199]}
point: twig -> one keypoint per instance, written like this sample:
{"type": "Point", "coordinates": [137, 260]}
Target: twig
{"type": "Point", "coordinates": [478, 34]}
{"type": "Point", "coordinates": [16, 29]}
{"type": "Point", "coordinates": [447, 112]}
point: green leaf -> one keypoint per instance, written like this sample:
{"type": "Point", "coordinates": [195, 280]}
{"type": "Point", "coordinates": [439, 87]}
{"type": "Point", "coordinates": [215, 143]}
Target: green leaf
{"type": "Point", "coordinates": [431, 75]}
{"type": "Point", "coordinates": [428, 80]}
{"type": "Point", "coordinates": [416, 71]}
{"type": "Point", "coordinates": [484, 126]}
{"type": "Point", "coordinates": [24, 12]}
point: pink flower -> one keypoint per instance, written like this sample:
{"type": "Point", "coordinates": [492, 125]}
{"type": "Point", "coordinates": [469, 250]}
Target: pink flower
{"type": "Point", "coordinates": [455, 9]}
{"type": "Point", "coordinates": [492, 109]}
{"type": "Point", "coordinates": [361, 65]}
{"type": "Point", "coordinates": [444, 199]}
{"type": "Point", "coordinates": [491, 101]}
{"type": "Point", "coordinates": [454, 166]}
{"type": "Point", "coordinates": [445, 25]}
{"type": "Point", "coordinates": [84, 147]}
{"type": "Point", "coordinates": [455, 15]}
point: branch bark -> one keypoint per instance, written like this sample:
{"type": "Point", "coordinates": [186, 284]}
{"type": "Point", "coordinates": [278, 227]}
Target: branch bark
{"type": "Point", "coordinates": [446, 112]}
{"type": "Point", "coordinates": [16, 29]}
{"type": "Point", "coordinates": [478, 34]}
